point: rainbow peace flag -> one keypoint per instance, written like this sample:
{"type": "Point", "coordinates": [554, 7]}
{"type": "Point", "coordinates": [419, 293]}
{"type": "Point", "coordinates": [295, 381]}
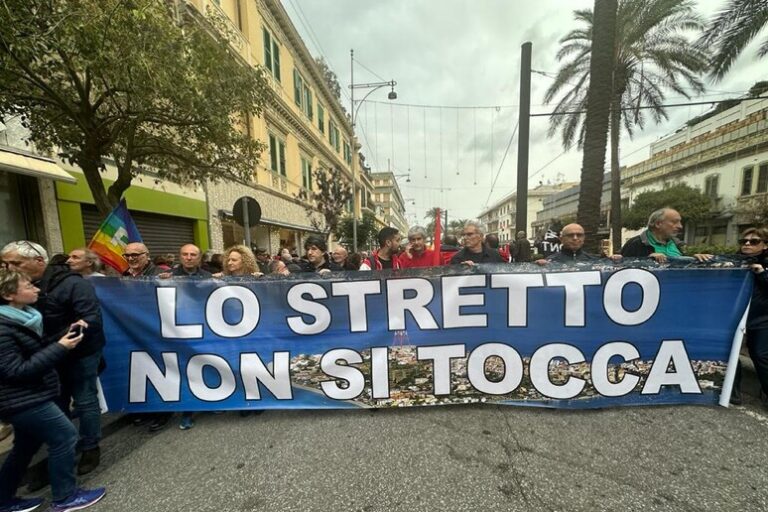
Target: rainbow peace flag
{"type": "Point", "coordinates": [117, 231]}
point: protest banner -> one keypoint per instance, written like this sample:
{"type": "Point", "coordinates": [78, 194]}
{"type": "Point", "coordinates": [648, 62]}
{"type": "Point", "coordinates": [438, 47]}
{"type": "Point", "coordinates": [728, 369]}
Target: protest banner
{"type": "Point", "coordinates": [594, 337]}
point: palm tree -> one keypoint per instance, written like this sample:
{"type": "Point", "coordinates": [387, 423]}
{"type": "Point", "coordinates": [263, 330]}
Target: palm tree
{"type": "Point", "coordinates": [651, 54]}
{"type": "Point", "coordinates": [596, 121]}
{"type": "Point", "coordinates": [732, 29]}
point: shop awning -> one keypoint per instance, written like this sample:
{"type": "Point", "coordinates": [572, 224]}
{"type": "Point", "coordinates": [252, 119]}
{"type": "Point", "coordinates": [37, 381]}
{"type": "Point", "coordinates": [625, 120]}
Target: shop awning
{"type": "Point", "coordinates": [33, 165]}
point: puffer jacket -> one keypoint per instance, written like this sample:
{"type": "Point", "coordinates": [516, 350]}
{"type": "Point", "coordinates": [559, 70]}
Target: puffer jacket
{"type": "Point", "coordinates": [66, 297]}
{"type": "Point", "coordinates": [27, 375]}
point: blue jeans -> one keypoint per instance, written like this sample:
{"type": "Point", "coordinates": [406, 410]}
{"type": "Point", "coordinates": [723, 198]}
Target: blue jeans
{"type": "Point", "coordinates": [42, 423]}
{"type": "Point", "coordinates": [78, 384]}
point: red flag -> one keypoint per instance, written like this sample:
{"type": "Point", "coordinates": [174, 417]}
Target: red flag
{"type": "Point", "coordinates": [436, 240]}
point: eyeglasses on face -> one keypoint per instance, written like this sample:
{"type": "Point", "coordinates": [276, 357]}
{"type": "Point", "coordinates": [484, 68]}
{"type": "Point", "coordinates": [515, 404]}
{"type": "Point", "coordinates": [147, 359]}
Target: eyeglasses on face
{"type": "Point", "coordinates": [470, 234]}
{"type": "Point", "coordinates": [573, 235]}
{"type": "Point", "coordinates": [131, 255]}
{"type": "Point", "coordinates": [750, 241]}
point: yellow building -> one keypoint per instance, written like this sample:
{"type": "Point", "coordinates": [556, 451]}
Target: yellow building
{"type": "Point", "coordinates": [303, 125]}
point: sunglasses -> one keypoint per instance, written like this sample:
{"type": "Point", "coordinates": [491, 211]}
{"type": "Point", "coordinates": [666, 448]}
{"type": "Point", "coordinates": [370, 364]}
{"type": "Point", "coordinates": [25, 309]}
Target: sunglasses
{"type": "Point", "coordinates": [133, 255]}
{"type": "Point", "coordinates": [750, 241]}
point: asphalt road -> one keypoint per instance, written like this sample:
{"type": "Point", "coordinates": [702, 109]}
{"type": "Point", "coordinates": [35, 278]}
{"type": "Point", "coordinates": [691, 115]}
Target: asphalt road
{"type": "Point", "coordinates": [456, 458]}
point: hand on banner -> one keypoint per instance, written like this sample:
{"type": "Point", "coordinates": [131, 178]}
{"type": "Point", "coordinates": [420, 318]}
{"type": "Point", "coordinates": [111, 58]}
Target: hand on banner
{"type": "Point", "coordinates": [541, 262]}
{"type": "Point", "coordinates": [468, 263]}
{"type": "Point", "coordinates": [659, 257]}
{"type": "Point", "coordinates": [757, 268]}
{"type": "Point", "coordinates": [703, 257]}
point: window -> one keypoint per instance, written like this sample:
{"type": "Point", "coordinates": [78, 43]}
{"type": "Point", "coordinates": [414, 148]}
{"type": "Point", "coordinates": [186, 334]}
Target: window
{"type": "Point", "coordinates": [306, 173]}
{"type": "Point", "coordinates": [347, 153]}
{"type": "Point", "coordinates": [320, 117]}
{"type": "Point", "coordinates": [277, 154]}
{"type": "Point", "coordinates": [710, 186]}
{"type": "Point", "coordinates": [333, 135]}
{"type": "Point", "coordinates": [271, 54]}
{"type": "Point", "coordinates": [302, 94]}
{"type": "Point", "coordinates": [762, 179]}
{"type": "Point", "coordinates": [746, 181]}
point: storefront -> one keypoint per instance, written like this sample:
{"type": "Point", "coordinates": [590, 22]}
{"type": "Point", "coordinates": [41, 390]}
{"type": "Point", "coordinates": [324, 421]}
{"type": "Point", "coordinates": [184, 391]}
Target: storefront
{"type": "Point", "coordinates": [23, 177]}
{"type": "Point", "coordinates": [167, 215]}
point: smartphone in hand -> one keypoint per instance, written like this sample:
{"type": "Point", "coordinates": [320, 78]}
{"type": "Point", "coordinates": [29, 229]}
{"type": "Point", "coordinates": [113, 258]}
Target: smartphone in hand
{"type": "Point", "coordinates": [78, 329]}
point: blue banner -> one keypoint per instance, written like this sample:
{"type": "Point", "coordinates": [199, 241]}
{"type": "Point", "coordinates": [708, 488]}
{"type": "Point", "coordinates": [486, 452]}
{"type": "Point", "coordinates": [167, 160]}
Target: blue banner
{"type": "Point", "coordinates": [504, 335]}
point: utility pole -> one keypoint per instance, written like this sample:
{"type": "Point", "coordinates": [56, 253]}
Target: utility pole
{"type": "Point", "coordinates": [354, 176]}
{"type": "Point", "coordinates": [521, 204]}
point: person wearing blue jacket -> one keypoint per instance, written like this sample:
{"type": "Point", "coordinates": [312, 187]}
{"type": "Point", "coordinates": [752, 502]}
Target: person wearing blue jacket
{"type": "Point", "coordinates": [29, 386]}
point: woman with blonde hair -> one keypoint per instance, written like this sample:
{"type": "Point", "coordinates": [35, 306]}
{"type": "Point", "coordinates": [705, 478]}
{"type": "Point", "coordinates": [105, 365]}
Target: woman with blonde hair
{"type": "Point", "coordinates": [239, 261]}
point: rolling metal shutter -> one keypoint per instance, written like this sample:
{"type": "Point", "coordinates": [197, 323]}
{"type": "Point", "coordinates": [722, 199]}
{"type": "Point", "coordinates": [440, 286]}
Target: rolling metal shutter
{"type": "Point", "coordinates": [161, 233]}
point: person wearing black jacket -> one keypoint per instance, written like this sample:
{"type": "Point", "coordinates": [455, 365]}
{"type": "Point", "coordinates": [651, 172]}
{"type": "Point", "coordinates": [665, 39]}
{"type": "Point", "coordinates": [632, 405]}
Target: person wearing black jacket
{"type": "Point", "coordinates": [317, 257]}
{"type": "Point", "coordinates": [475, 251]}
{"type": "Point", "coordinates": [572, 238]}
{"type": "Point", "coordinates": [753, 252]}
{"type": "Point", "coordinates": [66, 297]}
{"type": "Point", "coordinates": [28, 387]}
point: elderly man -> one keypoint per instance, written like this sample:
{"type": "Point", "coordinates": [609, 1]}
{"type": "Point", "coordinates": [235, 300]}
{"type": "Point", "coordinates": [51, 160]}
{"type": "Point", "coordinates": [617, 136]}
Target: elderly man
{"type": "Point", "coordinates": [190, 258]}
{"type": "Point", "coordinates": [659, 240]}
{"type": "Point", "coordinates": [475, 251]}
{"type": "Point", "coordinates": [85, 262]}
{"type": "Point", "coordinates": [339, 256]}
{"type": "Point", "coordinates": [66, 298]}
{"type": "Point", "coordinates": [572, 239]}
{"type": "Point", "coordinates": [416, 253]}
{"type": "Point", "coordinates": [139, 264]}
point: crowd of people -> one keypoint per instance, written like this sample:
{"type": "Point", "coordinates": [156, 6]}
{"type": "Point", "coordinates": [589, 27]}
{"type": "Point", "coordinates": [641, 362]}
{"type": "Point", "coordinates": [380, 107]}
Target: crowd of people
{"type": "Point", "coordinates": [51, 335]}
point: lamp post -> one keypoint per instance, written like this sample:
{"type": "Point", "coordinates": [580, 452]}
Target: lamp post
{"type": "Point", "coordinates": [353, 116]}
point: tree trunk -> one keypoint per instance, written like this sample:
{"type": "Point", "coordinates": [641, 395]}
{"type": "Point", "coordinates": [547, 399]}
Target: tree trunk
{"type": "Point", "coordinates": [596, 123]}
{"type": "Point", "coordinates": [91, 168]}
{"type": "Point", "coordinates": [615, 174]}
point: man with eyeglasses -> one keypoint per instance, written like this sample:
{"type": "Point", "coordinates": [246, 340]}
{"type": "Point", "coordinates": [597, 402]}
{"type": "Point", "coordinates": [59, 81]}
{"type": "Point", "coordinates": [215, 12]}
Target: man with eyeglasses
{"type": "Point", "coordinates": [475, 251]}
{"type": "Point", "coordinates": [136, 255]}
{"type": "Point", "coordinates": [659, 240]}
{"type": "Point", "coordinates": [572, 238]}
{"type": "Point", "coordinates": [65, 297]}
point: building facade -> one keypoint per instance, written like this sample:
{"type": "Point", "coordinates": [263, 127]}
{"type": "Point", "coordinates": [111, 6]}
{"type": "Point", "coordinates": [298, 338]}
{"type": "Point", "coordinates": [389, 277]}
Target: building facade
{"type": "Point", "coordinates": [725, 155]}
{"type": "Point", "coordinates": [499, 219]}
{"type": "Point", "coordinates": [387, 195]}
{"type": "Point", "coordinates": [561, 208]}
{"type": "Point", "coordinates": [303, 126]}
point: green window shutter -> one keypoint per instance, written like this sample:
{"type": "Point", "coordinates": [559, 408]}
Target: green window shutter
{"type": "Point", "coordinates": [267, 49]}
{"type": "Point", "coordinates": [276, 60]}
{"type": "Point", "coordinates": [309, 104]}
{"type": "Point", "coordinates": [320, 118]}
{"type": "Point", "coordinates": [297, 87]}
{"type": "Point", "coordinates": [283, 170]}
{"type": "Point", "coordinates": [273, 152]}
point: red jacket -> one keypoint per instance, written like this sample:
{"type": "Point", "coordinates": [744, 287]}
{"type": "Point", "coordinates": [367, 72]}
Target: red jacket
{"type": "Point", "coordinates": [374, 263]}
{"type": "Point", "coordinates": [425, 259]}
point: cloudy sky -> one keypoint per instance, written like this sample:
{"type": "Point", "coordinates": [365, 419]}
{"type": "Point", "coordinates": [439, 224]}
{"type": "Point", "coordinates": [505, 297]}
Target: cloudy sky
{"type": "Point", "coordinates": [456, 63]}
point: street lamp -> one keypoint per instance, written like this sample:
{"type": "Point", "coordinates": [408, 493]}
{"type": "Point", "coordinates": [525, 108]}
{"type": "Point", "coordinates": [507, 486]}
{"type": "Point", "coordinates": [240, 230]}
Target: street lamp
{"type": "Point", "coordinates": [374, 86]}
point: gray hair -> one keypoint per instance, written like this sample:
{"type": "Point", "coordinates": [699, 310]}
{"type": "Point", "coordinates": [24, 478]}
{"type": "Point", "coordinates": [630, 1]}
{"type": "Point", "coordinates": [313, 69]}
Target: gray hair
{"type": "Point", "coordinates": [474, 223]}
{"type": "Point", "coordinates": [417, 230]}
{"type": "Point", "coordinates": [656, 217]}
{"type": "Point", "coordinates": [92, 258]}
{"type": "Point", "coordinates": [26, 249]}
